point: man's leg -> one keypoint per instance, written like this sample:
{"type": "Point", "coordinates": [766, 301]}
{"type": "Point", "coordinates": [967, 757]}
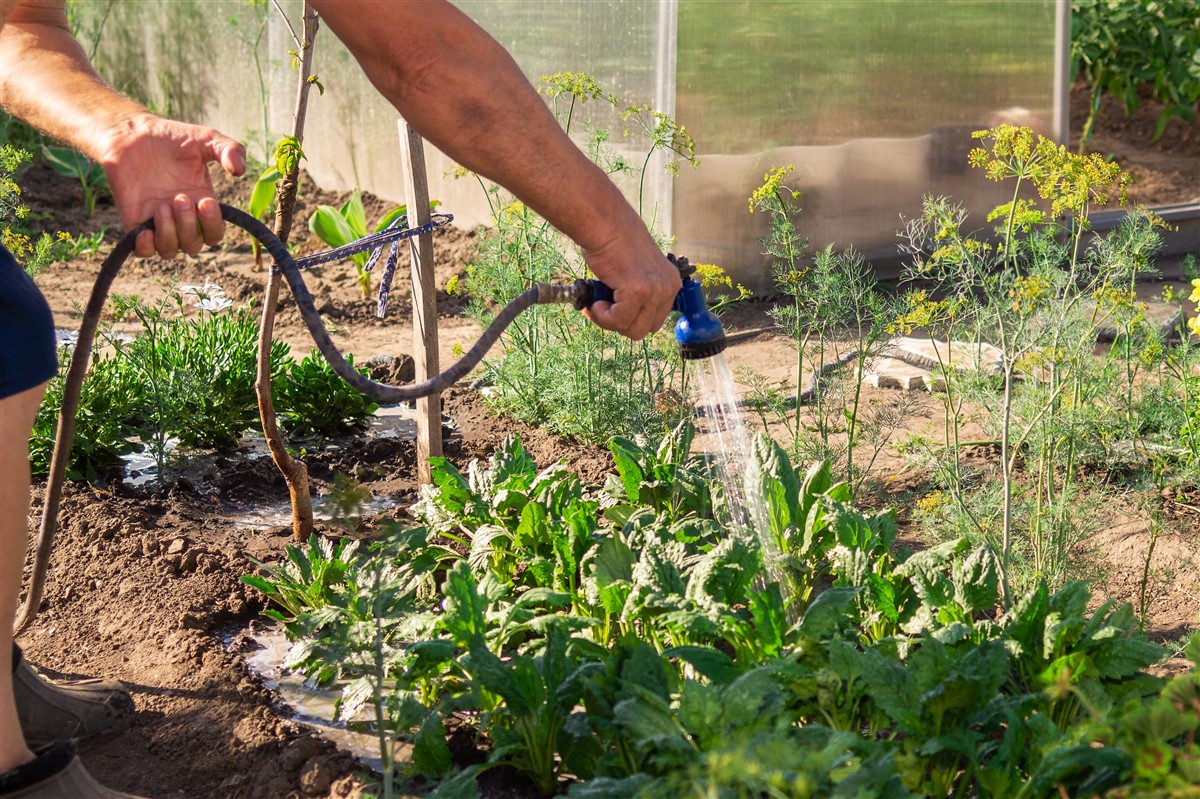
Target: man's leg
{"type": "Point", "coordinates": [16, 421]}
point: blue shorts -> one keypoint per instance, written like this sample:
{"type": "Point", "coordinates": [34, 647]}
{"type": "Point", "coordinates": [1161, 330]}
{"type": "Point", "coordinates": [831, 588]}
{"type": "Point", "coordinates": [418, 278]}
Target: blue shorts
{"type": "Point", "coordinates": [27, 348]}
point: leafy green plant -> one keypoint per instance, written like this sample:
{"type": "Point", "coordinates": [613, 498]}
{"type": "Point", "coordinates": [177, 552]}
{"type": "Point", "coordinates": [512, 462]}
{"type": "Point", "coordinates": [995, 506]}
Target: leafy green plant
{"type": "Point", "coordinates": [70, 163]}
{"type": "Point", "coordinates": [1158, 738]}
{"type": "Point", "coordinates": [196, 374]}
{"type": "Point", "coordinates": [668, 477]}
{"type": "Point", "coordinates": [664, 660]}
{"type": "Point", "coordinates": [338, 227]}
{"type": "Point", "coordinates": [313, 401]}
{"type": "Point", "coordinates": [306, 579]}
{"type": "Point", "coordinates": [104, 431]}
{"type": "Point", "coordinates": [1122, 47]}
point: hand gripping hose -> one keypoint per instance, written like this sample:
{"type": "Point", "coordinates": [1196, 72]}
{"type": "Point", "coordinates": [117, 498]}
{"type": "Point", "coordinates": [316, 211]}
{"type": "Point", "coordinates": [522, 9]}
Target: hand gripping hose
{"type": "Point", "coordinates": [541, 293]}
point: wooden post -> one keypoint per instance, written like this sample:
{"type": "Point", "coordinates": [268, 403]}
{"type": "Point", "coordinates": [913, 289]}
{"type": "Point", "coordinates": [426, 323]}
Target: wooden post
{"type": "Point", "coordinates": [424, 299]}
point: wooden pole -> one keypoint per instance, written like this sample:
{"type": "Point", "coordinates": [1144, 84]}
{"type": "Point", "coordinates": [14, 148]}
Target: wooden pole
{"type": "Point", "coordinates": [424, 299]}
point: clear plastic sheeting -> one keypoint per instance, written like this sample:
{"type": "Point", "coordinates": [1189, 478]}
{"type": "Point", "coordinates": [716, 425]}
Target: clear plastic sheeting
{"type": "Point", "coordinates": [873, 101]}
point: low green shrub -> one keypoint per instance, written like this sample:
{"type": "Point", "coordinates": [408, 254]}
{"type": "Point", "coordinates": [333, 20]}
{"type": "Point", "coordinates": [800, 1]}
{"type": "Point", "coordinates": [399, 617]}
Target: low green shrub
{"type": "Point", "coordinates": [311, 400]}
{"type": "Point", "coordinates": [1124, 46]}
{"type": "Point", "coordinates": [604, 642]}
{"type": "Point", "coordinates": [188, 378]}
{"type": "Point", "coordinates": [104, 432]}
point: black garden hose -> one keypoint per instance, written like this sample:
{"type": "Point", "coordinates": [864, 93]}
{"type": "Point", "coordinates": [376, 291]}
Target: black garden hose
{"type": "Point", "coordinates": [541, 293]}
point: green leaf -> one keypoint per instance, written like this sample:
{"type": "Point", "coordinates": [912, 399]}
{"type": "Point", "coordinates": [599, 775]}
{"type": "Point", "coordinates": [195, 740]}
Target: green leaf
{"type": "Point", "coordinates": [390, 217]}
{"type": "Point", "coordinates": [647, 718]}
{"type": "Point", "coordinates": [463, 785]}
{"type": "Point", "coordinates": [263, 193]}
{"type": "Point", "coordinates": [676, 445]}
{"type": "Point", "coordinates": [767, 610]}
{"type": "Point", "coordinates": [770, 474]}
{"type": "Point", "coordinates": [630, 787]}
{"type": "Point", "coordinates": [711, 663]}
{"type": "Point", "coordinates": [977, 581]}
{"type": "Point", "coordinates": [354, 215]}
{"type": "Point", "coordinates": [465, 609]}
{"type": "Point", "coordinates": [329, 226]}
{"type": "Point", "coordinates": [1123, 657]}
{"type": "Point", "coordinates": [626, 456]}
{"type": "Point", "coordinates": [431, 755]}
{"type": "Point", "coordinates": [827, 613]}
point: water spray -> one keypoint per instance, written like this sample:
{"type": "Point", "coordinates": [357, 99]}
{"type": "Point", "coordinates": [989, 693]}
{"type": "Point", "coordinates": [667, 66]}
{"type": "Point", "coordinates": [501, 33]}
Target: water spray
{"type": "Point", "coordinates": [698, 333]}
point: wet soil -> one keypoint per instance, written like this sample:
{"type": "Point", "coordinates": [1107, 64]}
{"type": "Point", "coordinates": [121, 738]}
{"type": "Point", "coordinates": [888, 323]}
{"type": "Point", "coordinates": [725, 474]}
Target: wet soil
{"type": "Point", "coordinates": [144, 582]}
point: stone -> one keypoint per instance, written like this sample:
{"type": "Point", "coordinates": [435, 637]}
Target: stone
{"type": "Point", "coordinates": [962, 355]}
{"type": "Point", "coordinates": [316, 776]}
{"type": "Point", "coordinates": [1166, 319]}
{"type": "Point", "coordinates": [177, 546]}
{"type": "Point", "coordinates": [895, 373]}
{"type": "Point", "coordinates": [300, 751]}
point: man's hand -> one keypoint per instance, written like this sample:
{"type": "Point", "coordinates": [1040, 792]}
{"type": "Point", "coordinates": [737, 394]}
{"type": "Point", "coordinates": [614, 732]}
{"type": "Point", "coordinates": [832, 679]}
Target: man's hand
{"type": "Point", "coordinates": [643, 281]}
{"type": "Point", "coordinates": [158, 169]}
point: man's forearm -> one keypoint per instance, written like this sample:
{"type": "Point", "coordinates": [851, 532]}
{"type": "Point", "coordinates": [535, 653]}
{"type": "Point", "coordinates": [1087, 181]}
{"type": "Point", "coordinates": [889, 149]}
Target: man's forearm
{"type": "Point", "coordinates": [465, 94]}
{"type": "Point", "coordinates": [46, 80]}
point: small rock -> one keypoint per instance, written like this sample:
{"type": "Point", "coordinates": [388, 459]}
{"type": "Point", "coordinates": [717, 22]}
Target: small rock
{"type": "Point", "coordinates": [177, 546]}
{"type": "Point", "coordinates": [299, 752]}
{"type": "Point", "coordinates": [316, 776]}
{"type": "Point", "coordinates": [189, 560]}
{"type": "Point", "coordinates": [150, 545]}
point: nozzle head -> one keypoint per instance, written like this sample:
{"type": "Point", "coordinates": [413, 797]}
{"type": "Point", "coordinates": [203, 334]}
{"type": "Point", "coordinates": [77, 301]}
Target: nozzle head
{"type": "Point", "coordinates": [701, 350]}
{"type": "Point", "coordinates": [698, 331]}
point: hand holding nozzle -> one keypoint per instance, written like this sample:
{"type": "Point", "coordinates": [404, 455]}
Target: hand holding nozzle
{"type": "Point", "coordinates": [698, 331]}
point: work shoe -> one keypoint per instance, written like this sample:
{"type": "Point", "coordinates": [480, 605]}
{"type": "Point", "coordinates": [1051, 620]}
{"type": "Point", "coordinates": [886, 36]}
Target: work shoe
{"type": "Point", "coordinates": [54, 773]}
{"type": "Point", "coordinates": [79, 711]}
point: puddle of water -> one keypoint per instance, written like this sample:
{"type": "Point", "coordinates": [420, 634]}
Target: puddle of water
{"type": "Point", "coordinates": [312, 707]}
{"type": "Point", "coordinates": [394, 421]}
{"type": "Point", "coordinates": [267, 516]}
{"type": "Point", "coordinates": [389, 421]}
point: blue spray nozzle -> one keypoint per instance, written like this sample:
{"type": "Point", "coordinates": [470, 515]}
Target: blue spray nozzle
{"type": "Point", "coordinates": [698, 332]}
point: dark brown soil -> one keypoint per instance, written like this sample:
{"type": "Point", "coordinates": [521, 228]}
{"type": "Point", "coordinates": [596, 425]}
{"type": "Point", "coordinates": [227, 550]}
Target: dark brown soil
{"type": "Point", "coordinates": [1164, 172]}
{"type": "Point", "coordinates": [144, 581]}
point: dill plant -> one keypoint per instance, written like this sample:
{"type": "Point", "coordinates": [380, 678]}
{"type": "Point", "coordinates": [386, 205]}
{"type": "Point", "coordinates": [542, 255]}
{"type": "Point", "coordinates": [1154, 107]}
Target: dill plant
{"type": "Point", "coordinates": [1040, 295]}
{"type": "Point", "coordinates": [556, 369]}
{"type": "Point", "coordinates": [835, 318]}
{"type": "Point", "coordinates": [35, 251]}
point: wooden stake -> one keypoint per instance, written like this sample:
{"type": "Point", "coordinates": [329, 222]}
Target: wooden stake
{"type": "Point", "coordinates": [424, 299]}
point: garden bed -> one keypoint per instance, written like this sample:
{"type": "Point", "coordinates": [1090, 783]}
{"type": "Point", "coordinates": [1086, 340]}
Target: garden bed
{"type": "Point", "coordinates": [144, 582]}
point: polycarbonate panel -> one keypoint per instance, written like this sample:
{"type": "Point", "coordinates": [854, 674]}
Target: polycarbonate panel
{"type": "Point", "coordinates": [873, 102]}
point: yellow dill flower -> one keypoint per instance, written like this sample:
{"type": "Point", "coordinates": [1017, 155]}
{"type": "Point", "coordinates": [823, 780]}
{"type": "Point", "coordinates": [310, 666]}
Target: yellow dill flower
{"type": "Point", "coordinates": [768, 192]}
{"type": "Point", "coordinates": [1194, 325]}
{"type": "Point", "coordinates": [1195, 295]}
{"type": "Point", "coordinates": [712, 275]}
{"type": "Point", "coordinates": [932, 503]}
{"type": "Point", "coordinates": [578, 84]}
